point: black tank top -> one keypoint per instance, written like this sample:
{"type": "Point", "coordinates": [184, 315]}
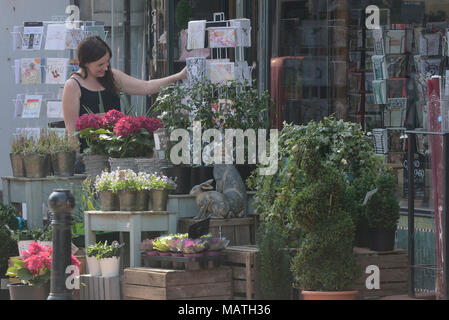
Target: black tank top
{"type": "Point", "coordinates": [91, 100]}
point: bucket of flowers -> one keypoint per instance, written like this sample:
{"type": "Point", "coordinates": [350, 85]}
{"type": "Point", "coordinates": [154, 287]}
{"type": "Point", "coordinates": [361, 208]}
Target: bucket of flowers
{"type": "Point", "coordinates": [160, 187]}
{"type": "Point", "coordinates": [215, 245]}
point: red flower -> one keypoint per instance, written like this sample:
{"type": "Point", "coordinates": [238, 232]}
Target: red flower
{"type": "Point", "coordinates": [126, 126]}
{"type": "Point", "coordinates": [112, 117]}
{"type": "Point", "coordinates": [149, 124]}
{"type": "Point", "coordinates": [89, 121]}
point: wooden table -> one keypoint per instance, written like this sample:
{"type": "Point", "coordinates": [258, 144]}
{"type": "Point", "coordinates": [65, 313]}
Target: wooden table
{"type": "Point", "coordinates": [134, 222]}
{"type": "Point", "coordinates": [35, 191]}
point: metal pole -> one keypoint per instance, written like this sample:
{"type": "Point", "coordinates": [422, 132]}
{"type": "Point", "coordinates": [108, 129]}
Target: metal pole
{"type": "Point", "coordinates": [445, 217]}
{"type": "Point", "coordinates": [411, 214]}
{"type": "Point", "coordinates": [61, 203]}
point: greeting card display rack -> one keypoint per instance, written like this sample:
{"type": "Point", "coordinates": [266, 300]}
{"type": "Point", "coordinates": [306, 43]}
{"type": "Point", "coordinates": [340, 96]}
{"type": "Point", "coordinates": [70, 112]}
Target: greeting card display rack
{"type": "Point", "coordinates": [47, 59]}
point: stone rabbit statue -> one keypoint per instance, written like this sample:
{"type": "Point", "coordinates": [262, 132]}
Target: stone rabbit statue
{"type": "Point", "coordinates": [230, 183]}
{"type": "Point", "coordinates": [212, 204]}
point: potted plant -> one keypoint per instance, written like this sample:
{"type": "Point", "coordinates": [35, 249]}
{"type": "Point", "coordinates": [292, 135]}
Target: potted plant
{"type": "Point", "coordinates": [92, 259]}
{"type": "Point", "coordinates": [324, 267]}
{"type": "Point", "coordinates": [16, 156]}
{"type": "Point", "coordinates": [143, 191]}
{"type": "Point", "coordinates": [90, 127]}
{"type": "Point", "coordinates": [63, 154]}
{"type": "Point", "coordinates": [36, 156]}
{"type": "Point", "coordinates": [160, 186]}
{"type": "Point", "coordinates": [109, 256]}
{"type": "Point", "coordinates": [175, 112]}
{"type": "Point", "coordinates": [132, 138]}
{"type": "Point", "coordinates": [33, 269]}
{"type": "Point", "coordinates": [193, 247]}
{"type": "Point", "coordinates": [108, 194]}
{"type": "Point", "coordinates": [125, 185]}
{"type": "Point", "coordinates": [382, 212]}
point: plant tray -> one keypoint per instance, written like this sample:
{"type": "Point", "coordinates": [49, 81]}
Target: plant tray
{"type": "Point", "coordinates": [183, 263]}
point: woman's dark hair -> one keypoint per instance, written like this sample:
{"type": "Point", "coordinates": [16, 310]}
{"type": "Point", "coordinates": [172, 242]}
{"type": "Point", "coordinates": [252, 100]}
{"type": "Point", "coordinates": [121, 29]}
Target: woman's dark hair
{"type": "Point", "coordinates": [93, 49]}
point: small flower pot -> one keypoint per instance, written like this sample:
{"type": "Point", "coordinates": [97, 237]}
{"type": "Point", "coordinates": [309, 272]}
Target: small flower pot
{"type": "Point", "coordinates": [164, 254]}
{"type": "Point", "coordinates": [93, 266]}
{"type": "Point", "coordinates": [35, 165]}
{"type": "Point", "coordinates": [18, 165]}
{"type": "Point", "coordinates": [127, 200]}
{"type": "Point", "coordinates": [20, 291]}
{"type": "Point", "coordinates": [193, 255]}
{"type": "Point", "coordinates": [152, 253]}
{"type": "Point", "coordinates": [109, 201]}
{"type": "Point", "coordinates": [63, 163]}
{"type": "Point", "coordinates": [110, 267]}
{"type": "Point", "coordinates": [159, 199]}
{"type": "Point", "coordinates": [142, 199]}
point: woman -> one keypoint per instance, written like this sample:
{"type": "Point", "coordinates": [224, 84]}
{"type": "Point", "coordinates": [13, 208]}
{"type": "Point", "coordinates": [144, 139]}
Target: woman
{"type": "Point", "coordinates": [81, 90]}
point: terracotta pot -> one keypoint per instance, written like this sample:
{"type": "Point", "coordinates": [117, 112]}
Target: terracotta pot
{"type": "Point", "coordinates": [329, 295]}
{"type": "Point", "coordinates": [20, 291]}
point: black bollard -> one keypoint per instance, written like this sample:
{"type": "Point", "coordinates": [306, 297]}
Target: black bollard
{"type": "Point", "coordinates": [61, 203]}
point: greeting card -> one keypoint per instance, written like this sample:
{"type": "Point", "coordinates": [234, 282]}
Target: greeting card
{"type": "Point", "coordinates": [32, 106]}
{"type": "Point", "coordinates": [30, 71]}
{"type": "Point", "coordinates": [395, 111]}
{"type": "Point", "coordinates": [243, 31]}
{"type": "Point", "coordinates": [56, 37]}
{"type": "Point", "coordinates": [397, 88]}
{"type": "Point", "coordinates": [196, 33]}
{"type": "Point", "coordinates": [56, 70]}
{"type": "Point", "coordinates": [379, 67]}
{"type": "Point", "coordinates": [430, 44]}
{"type": "Point", "coordinates": [32, 35]}
{"type": "Point", "coordinates": [222, 37]}
{"type": "Point", "coordinates": [73, 38]}
{"type": "Point", "coordinates": [220, 72]}
{"type": "Point", "coordinates": [196, 70]}
{"type": "Point", "coordinates": [380, 91]}
{"type": "Point", "coordinates": [54, 109]}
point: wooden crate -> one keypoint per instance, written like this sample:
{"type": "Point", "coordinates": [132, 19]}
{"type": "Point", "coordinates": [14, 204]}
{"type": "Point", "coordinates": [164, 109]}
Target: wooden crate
{"type": "Point", "coordinates": [393, 266]}
{"type": "Point", "coordinates": [164, 284]}
{"type": "Point", "coordinates": [243, 261]}
{"type": "Point", "coordinates": [99, 287]}
{"type": "Point", "coordinates": [239, 231]}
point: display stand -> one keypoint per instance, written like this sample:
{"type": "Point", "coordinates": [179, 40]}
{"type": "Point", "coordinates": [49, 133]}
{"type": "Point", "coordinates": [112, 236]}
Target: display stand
{"type": "Point", "coordinates": [134, 222]}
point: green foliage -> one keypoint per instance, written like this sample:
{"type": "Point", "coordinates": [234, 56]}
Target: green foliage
{"type": "Point", "coordinates": [8, 248]}
{"type": "Point", "coordinates": [311, 194]}
{"type": "Point", "coordinates": [96, 146]}
{"type": "Point", "coordinates": [59, 144]}
{"type": "Point", "coordinates": [39, 234]}
{"type": "Point", "coordinates": [26, 277]}
{"type": "Point", "coordinates": [325, 261]}
{"type": "Point", "coordinates": [183, 12]}
{"type": "Point", "coordinates": [274, 264]}
{"type": "Point", "coordinates": [355, 195]}
{"type": "Point", "coordinates": [8, 216]}
{"type": "Point", "coordinates": [382, 210]}
{"type": "Point", "coordinates": [172, 110]}
{"type": "Point", "coordinates": [103, 250]}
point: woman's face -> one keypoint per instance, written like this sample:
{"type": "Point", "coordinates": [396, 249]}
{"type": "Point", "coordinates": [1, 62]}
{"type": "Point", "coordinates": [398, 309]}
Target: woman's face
{"type": "Point", "coordinates": [98, 68]}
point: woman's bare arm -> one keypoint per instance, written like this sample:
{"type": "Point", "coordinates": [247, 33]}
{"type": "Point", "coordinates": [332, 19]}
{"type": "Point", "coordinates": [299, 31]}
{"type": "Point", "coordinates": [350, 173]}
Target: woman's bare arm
{"type": "Point", "coordinates": [133, 86]}
{"type": "Point", "coordinates": [71, 106]}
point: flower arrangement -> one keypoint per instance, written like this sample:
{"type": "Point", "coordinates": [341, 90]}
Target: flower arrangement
{"type": "Point", "coordinates": [34, 266]}
{"type": "Point", "coordinates": [117, 135]}
{"type": "Point", "coordinates": [106, 181]}
{"type": "Point", "coordinates": [109, 251]}
{"type": "Point", "coordinates": [215, 243]}
{"type": "Point", "coordinates": [161, 182]}
{"type": "Point", "coordinates": [193, 246]}
{"type": "Point", "coordinates": [126, 180]}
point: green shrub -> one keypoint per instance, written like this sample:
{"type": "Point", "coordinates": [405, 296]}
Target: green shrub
{"type": "Point", "coordinates": [382, 209]}
{"type": "Point", "coordinates": [273, 264]}
{"type": "Point", "coordinates": [8, 248]}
